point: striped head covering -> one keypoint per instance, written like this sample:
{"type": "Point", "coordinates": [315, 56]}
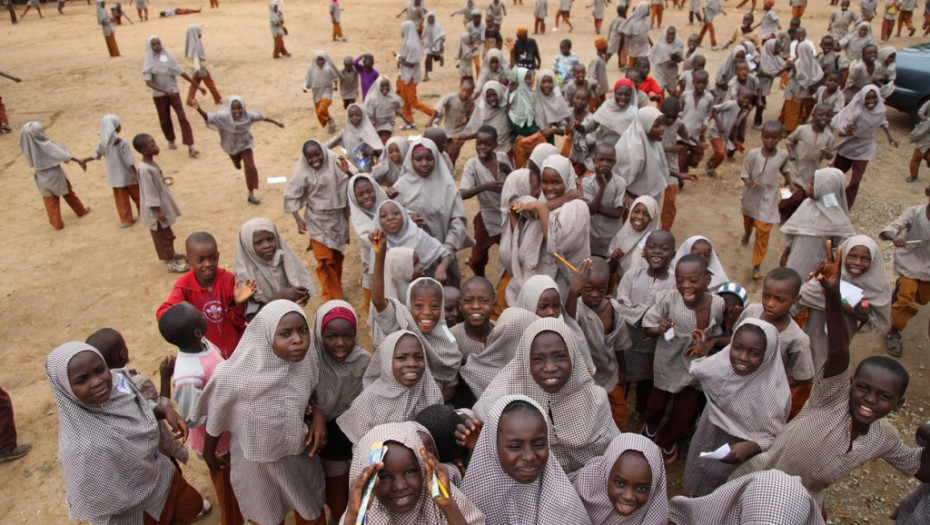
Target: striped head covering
{"type": "Point", "coordinates": [760, 498]}
{"type": "Point", "coordinates": [249, 265]}
{"type": "Point", "coordinates": [629, 240]}
{"type": "Point", "coordinates": [426, 511]}
{"type": "Point", "coordinates": [753, 407]}
{"type": "Point", "coordinates": [718, 276]}
{"type": "Point", "coordinates": [259, 397]}
{"type": "Point", "coordinates": [340, 382]}
{"type": "Point", "coordinates": [363, 221]}
{"type": "Point", "coordinates": [580, 412]}
{"type": "Point", "coordinates": [591, 484]}
{"type": "Point", "coordinates": [480, 369]}
{"type": "Point", "coordinates": [386, 400]}
{"type": "Point", "coordinates": [108, 452]}
{"type": "Point", "coordinates": [549, 499]}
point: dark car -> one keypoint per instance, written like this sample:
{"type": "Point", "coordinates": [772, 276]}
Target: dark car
{"type": "Point", "coordinates": [912, 85]}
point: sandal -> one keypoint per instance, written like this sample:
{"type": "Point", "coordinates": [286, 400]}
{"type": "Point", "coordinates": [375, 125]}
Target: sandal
{"type": "Point", "coordinates": [645, 432]}
{"type": "Point", "coordinates": [253, 200]}
{"type": "Point", "coordinates": [177, 267]}
{"type": "Point", "coordinates": [910, 179]}
{"type": "Point", "coordinates": [15, 453]}
{"type": "Point", "coordinates": [893, 345]}
{"type": "Point", "coordinates": [669, 456]}
{"type": "Point", "coordinates": [204, 511]}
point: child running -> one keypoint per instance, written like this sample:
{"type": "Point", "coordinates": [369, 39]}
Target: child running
{"type": "Point", "coordinates": [920, 138]}
{"type": "Point", "coordinates": [197, 57]}
{"type": "Point", "coordinates": [382, 105]}
{"type": "Point", "coordinates": [408, 60]}
{"type": "Point", "coordinates": [321, 78]}
{"type": "Point", "coordinates": [483, 176]}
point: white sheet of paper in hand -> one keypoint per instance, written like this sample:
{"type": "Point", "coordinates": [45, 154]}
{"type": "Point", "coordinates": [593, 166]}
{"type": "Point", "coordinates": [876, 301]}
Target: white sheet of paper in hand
{"type": "Point", "coordinates": [670, 333]}
{"type": "Point", "coordinates": [720, 453]}
{"type": "Point", "coordinates": [850, 292]}
{"type": "Point", "coordinates": [785, 193]}
{"type": "Point", "coordinates": [276, 180]}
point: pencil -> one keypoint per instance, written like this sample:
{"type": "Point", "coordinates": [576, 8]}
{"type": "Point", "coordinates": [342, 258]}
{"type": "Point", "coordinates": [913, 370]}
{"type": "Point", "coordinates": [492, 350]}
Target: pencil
{"type": "Point", "coordinates": [566, 263]}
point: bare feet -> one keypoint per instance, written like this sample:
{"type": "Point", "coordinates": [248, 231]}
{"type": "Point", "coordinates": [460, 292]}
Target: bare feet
{"type": "Point", "coordinates": [745, 240]}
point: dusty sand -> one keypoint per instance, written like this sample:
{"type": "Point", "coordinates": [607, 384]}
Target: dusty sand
{"type": "Point", "coordinates": [63, 285]}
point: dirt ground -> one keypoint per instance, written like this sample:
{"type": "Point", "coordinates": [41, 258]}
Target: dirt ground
{"type": "Point", "coordinates": [63, 285]}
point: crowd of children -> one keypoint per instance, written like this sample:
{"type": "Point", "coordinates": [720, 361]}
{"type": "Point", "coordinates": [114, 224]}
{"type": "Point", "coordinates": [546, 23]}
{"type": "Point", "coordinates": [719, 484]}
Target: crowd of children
{"type": "Point", "coordinates": [509, 398]}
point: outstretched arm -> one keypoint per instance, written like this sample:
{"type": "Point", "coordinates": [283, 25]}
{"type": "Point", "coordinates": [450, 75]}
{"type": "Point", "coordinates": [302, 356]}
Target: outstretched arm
{"type": "Point", "coordinates": [379, 246]}
{"type": "Point", "coordinates": [828, 274]}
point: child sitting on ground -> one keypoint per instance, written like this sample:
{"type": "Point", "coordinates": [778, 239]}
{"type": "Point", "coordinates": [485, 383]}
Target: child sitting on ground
{"type": "Point", "coordinates": [157, 210]}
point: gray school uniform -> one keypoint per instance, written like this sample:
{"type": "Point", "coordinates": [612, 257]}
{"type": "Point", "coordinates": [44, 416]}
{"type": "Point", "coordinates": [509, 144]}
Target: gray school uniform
{"type": "Point", "coordinates": [761, 202]}
{"type": "Point", "coordinates": [695, 112]}
{"type": "Point", "coordinates": [474, 174]}
{"type": "Point", "coordinates": [348, 84]}
{"type": "Point", "coordinates": [604, 346]}
{"type": "Point", "coordinates": [808, 146]}
{"type": "Point", "coordinates": [604, 228]}
{"type": "Point", "coordinates": [154, 193]}
{"type": "Point", "coordinates": [793, 345]}
{"type": "Point", "coordinates": [118, 165]}
{"type": "Point", "coordinates": [912, 262]}
{"type": "Point", "coordinates": [635, 294]}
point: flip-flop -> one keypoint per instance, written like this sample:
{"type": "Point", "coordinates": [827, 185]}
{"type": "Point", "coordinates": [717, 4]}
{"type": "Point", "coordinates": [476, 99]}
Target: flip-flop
{"type": "Point", "coordinates": [910, 179]}
{"type": "Point", "coordinates": [669, 457]}
{"type": "Point", "coordinates": [893, 345]}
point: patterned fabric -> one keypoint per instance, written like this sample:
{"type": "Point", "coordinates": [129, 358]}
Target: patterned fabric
{"type": "Point", "coordinates": [529, 299]}
{"type": "Point", "coordinates": [604, 346]}
{"type": "Point", "coordinates": [632, 241]}
{"type": "Point", "coordinates": [323, 195]}
{"type": "Point", "coordinates": [398, 272]}
{"type": "Point", "coordinates": [793, 344]}
{"type": "Point", "coordinates": [467, 345]}
{"type": "Point", "coordinates": [340, 382]}
{"type": "Point", "coordinates": [718, 276]}
{"type": "Point", "coordinates": [481, 368]}
{"type": "Point", "coordinates": [549, 499]}
{"type": "Point", "coordinates": [249, 265]}
{"type": "Point", "coordinates": [915, 509]}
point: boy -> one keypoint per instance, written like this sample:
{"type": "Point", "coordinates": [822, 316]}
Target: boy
{"type": "Point", "coordinates": [565, 7]}
{"type": "Point", "coordinates": [214, 291]}
{"type": "Point", "coordinates": [841, 20]}
{"type": "Point", "coordinates": [367, 74]}
{"type": "Point", "coordinates": [888, 18]}
{"type": "Point", "coordinates": [453, 111]}
{"type": "Point", "coordinates": [906, 16]}
{"type": "Point", "coordinates": [606, 334]}
{"type": "Point", "coordinates": [655, 13]}
{"type": "Point", "coordinates": [615, 38]}
{"type": "Point", "coordinates": [598, 13]}
{"type": "Point", "coordinates": [476, 31]}
{"type": "Point", "coordinates": [157, 210]}
{"type": "Point", "coordinates": [808, 146]}
{"type": "Point", "coordinates": [830, 61]}
{"type": "Point", "coordinates": [348, 82]}
{"type": "Point", "coordinates": [829, 94]}
{"type": "Point", "coordinates": [495, 13]}
{"type": "Point", "coordinates": [759, 200]}
{"type": "Point", "coordinates": [743, 80]}
{"type": "Point", "coordinates": [577, 145]}
{"type": "Point", "coordinates": [524, 52]}
{"type": "Point", "coordinates": [636, 294]}
{"type": "Point", "coordinates": [184, 326]}
{"type": "Point", "coordinates": [769, 25]}
{"type": "Point", "coordinates": [580, 80]}
{"type": "Point", "coordinates": [728, 117]}
{"type": "Point", "coordinates": [476, 304]}
{"type": "Point", "coordinates": [693, 64]}
{"type": "Point", "coordinates": [682, 319]}
{"type": "Point", "coordinates": [697, 108]}
{"type": "Point", "coordinates": [120, 168]}
{"type": "Point", "coordinates": [604, 193]}
{"type": "Point", "coordinates": [675, 141]}
{"type": "Point", "coordinates": [842, 426]}
{"type": "Point", "coordinates": [912, 264]}
{"type": "Point", "coordinates": [450, 308]}
{"type": "Point", "coordinates": [712, 8]}
{"type": "Point", "coordinates": [335, 15]}
{"type": "Point", "coordinates": [598, 69]}
{"type": "Point", "coordinates": [539, 14]}
{"type": "Point", "coordinates": [483, 176]}
{"type": "Point", "coordinates": [565, 62]}
{"type": "Point", "coordinates": [798, 7]}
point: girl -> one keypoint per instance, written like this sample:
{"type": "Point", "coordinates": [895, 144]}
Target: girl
{"type": "Point", "coordinates": [382, 105]}
{"type": "Point", "coordinates": [106, 24]}
{"type": "Point", "coordinates": [262, 395]}
{"type": "Point", "coordinates": [727, 70]}
{"type": "Point", "coordinates": [641, 159]}
{"type": "Point", "coordinates": [613, 117]}
{"type": "Point", "coordinates": [549, 368]}
{"type": "Point", "coordinates": [365, 195]}
{"type": "Point", "coordinates": [861, 74]}
{"type": "Point", "coordinates": [666, 54]}
{"type": "Point", "coordinates": [626, 485]}
{"type": "Point", "coordinates": [520, 108]}
{"type": "Point", "coordinates": [805, 74]}
{"type": "Point", "coordinates": [160, 71]}
{"type": "Point", "coordinates": [520, 255]}
{"type": "Point", "coordinates": [626, 247]}
{"type": "Point", "coordinates": [494, 67]}
{"type": "Point", "coordinates": [511, 476]}
{"type": "Point", "coordinates": [864, 269]}
{"type": "Point", "coordinates": [108, 445]}
{"type": "Point", "coordinates": [321, 77]}
{"type": "Point", "coordinates": [393, 221]}
{"type": "Point", "coordinates": [408, 61]}
{"type": "Point", "coordinates": [319, 187]}
{"type": "Point", "coordinates": [401, 267]}
{"type": "Point", "coordinates": [824, 215]}
{"type": "Point", "coordinates": [481, 368]}
{"type": "Point", "coordinates": [406, 475]}
{"type": "Point", "coordinates": [262, 255]}
{"type": "Point", "coordinates": [920, 138]}
{"type": "Point", "coordinates": [886, 72]}
{"type": "Point", "coordinates": [566, 227]}
{"type": "Point", "coordinates": [771, 66]}
{"type": "Point", "coordinates": [404, 386]}
{"type": "Point", "coordinates": [120, 168]}
{"type": "Point", "coordinates": [276, 19]}
{"type": "Point", "coordinates": [748, 400]}
{"type": "Point", "coordinates": [390, 165]}
{"type": "Point", "coordinates": [358, 132]}
{"type": "Point", "coordinates": [856, 40]}
{"type": "Point", "coordinates": [491, 110]}
{"type": "Point", "coordinates": [551, 110]}
{"type": "Point", "coordinates": [45, 157]}
{"type": "Point", "coordinates": [700, 245]}
{"type": "Point", "coordinates": [434, 39]}
{"type": "Point", "coordinates": [342, 364]}
{"type": "Point", "coordinates": [234, 124]}
{"type": "Point", "coordinates": [193, 50]}
{"type": "Point", "coordinates": [635, 33]}
{"type": "Point", "coordinates": [859, 121]}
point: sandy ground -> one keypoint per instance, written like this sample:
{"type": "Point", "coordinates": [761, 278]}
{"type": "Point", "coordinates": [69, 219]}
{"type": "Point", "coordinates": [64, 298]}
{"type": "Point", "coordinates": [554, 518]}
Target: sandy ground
{"type": "Point", "coordinates": [63, 285]}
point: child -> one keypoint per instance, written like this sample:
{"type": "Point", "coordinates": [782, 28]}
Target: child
{"type": "Point", "coordinates": [635, 294]}
{"type": "Point", "coordinates": [212, 289]}
{"type": "Point", "coordinates": [598, 69]}
{"type": "Point", "coordinates": [655, 13]}
{"type": "Point", "coordinates": [564, 12]}
{"type": "Point", "coordinates": [263, 256]}
{"type": "Point", "coordinates": [120, 168]}
{"type": "Point", "coordinates": [578, 145]}
{"type": "Point", "coordinates": [359, 139]}
{"type": "Point", "coordinates": [808, 146]}
{"type": "Point", "coordinates": [606, 335]}
{"type": "Point", "coordinates": [886, 71]}
{"type": "Point", "coordinates": [234, 124]}
{"type": "Point", "coordinates": [804, 76]}
{"type": "Point", "coordinates": [105, 22]}
{"type": "Point", "coordinates": [626, 247]}
{"type": "Point", "coordinates": [759, 200]}
{"type": "Point", "coordinates": [540, 9]}
{"type": "Point", "coordinates": [408, 61]}
{"type": "Point", "coordinates": [615, 37]}
{"type": "Point", "coordinates": [348, 82]}
{"type": "Point", "coordinates": [613, 118]}
{"type": "Point", "coordinates": [697, 108]}
{"type": "Point", "coordinates": [666, 54]}
{"type": "Point", "coordinates": [843, 410]}
{"type": "Point", "coordinates": [635, 32]}
{"type": "Point", "coordinates": [319, 187]}
{"type": "Point", "coordinates": [643, 164]}
{"type": "Point", "coordinates": [157, 210]}
{"type": "Point", "coordinates": [513, 462]}
{"type": "Point", "coordinates": [465, 55]}
{"type": "Point", "coordinates": [270, 468]}
{"type": "Point", "coordinates": [692, 64]}
{"type": "Point", "coordinates": [496, 11]}
{"type": "Point", "coordinates": [475, 305]}
{"type": "Point", "coordinates": [434, 39]}
{"type": "Point", "coordinates": [453, 110]}
{"type": "Point", "coordinates": [913, 509]}
{"type": "Point", "coordinates": [483, 176]}
{"type": "Point", "coordinates": [694, 11]}
{"type": "Point", "coordinates": [107, 443]}
{"type": "Point", "coordinates": [450, 299]}
{"type": "Point", "coordinates": [321, 77]}
{"type": "Point", "coordinates": [829, 59]}
{"type": "Point", "coordinates": [390, 165]}
{"type": "Point", "coordinates": [773, 494]}
{"type": "Point", "coordinates": [605, 193]}
{"type": "Point", "coordinates": [830, 95]}
{"type": "Point", "coordinates": [728, 117]}
{"type": "Point", "coordinates": [276, 19]}
{"type": "Point", "coordinates": [382, 106]}
{"type": "Point", "coordinates": [365, 195]}
{"type": "Point", "coordinates": [854, 41]}
{"type": "Point", "coordinates": [142, 8]}
{"type": "Point", "coordinates": [863, 73]}
{"type": "Point", "coordinates": [368, 75]}
{"type": "Point", "coordinates": [700, 245]}
{"type": "Point", "coordinates": [565, 62]}
{"type": "Point", "coordinates": [524, 52]}
{"type": "Point", "coordinates": [197, 58]}
{"type": "Point", "coordinates": [160, 72]}
{"type": "Point", "coordinates": [393, 222]}
{"type": "Point", "coordinates": [598, 13]}
{"type": "Point", "coordinates": [888, 18]}
{"type": "Point", "coordinates": [683, 317]}
{"type": "Point", "coordinates": [335, 15]}
{"type": "Point", "coordinates": [498, 348]}
{"type": "Point", "coordinates": [859, 121]}
{"type": "Point", "coordinates": [184, 326]}
{"type": "Point", "coordinates": [4, 121]}
{"type": "Point", "coordinates": [437, 425]}
{"type": "Point", "coordinates": [635, 491]}
{"type": "Point", "coordinates": [743, 80]}
{"type": "Point", "coordinates": [744, 32]}
{"type": "Point", "coordinates": [494, 67]}
{"type": "Point", "coordinates": [402, 266]}
{"type": "Point", "coordinates": [727, 71]}
{"type": "Point", "coordinates": [342, 363]}
{"type": "Point", "coordinates": [645, 83]}
{"type": "Point", "coordinates": [910, 263]}
{"type": "Point", "coordinates": [471, 42]}
{"type": "Point", "coordinates": [842, 19]}
{"type": "Point", "coordinates": [712, 8]}
{"type": "Point", "coordinates": [676, 143]}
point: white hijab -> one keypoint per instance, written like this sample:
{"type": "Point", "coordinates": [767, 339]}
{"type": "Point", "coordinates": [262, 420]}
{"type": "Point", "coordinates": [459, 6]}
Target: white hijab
{"type": "Point", "coordinates": [160, 64]}
{"type": "Point", "coordinates": [641, 162]}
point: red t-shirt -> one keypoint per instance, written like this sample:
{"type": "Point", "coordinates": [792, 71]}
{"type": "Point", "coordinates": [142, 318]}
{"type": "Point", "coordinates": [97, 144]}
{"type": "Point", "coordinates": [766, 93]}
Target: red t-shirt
{"type": "Point", "coordinates": [651, 88]}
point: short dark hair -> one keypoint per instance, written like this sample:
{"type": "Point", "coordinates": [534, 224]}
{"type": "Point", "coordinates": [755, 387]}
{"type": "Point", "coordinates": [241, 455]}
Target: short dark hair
{"type": "Point", "coordinates": [890, 365]}
{"type": "Point", "coordinates": [488, 130]}
{"type": "Point", "coordinates": [441, 421]}
{"type": "Point", "coordinates": [670, 106]}
{"type": "Point", "coordinates": [785, 274]}
{"type": "Point", "coordinates": [663, 235]}
{"type": "Point", "coordinates": [693, 258]}
{"type": "Point", "coordinates": [178, 323]}
{"type": "Point", "coordinates": [478, 280]}
{"type": "Point", "coordinates": [200, 238]}
{"type": "Point", "coordinates": [700, 74]}
{"type": "Point", "coordinates": [138, 142]}
{"type": "Point", "coordinates": [109, 343]}
{"type": "Point", "coordinates": [565, 42]}
{"type": "Point", "coordinates": [773, 125]}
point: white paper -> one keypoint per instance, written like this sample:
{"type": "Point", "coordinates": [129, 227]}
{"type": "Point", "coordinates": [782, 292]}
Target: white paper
{"type": "Point", "coordinates": [343, 150]}
{"type": "Point", "coordinates": [277, 180]}
{"type": "Point", "coordinates": [785, 193]}
{"type": "Point", "coordinates": [670, 333]}
{"type": "Point", "coordinates": [829, 200]}
{"type": "Point", "coordinates": [850, 292]}
{"type": "Point", "coordinates": [720, 453]}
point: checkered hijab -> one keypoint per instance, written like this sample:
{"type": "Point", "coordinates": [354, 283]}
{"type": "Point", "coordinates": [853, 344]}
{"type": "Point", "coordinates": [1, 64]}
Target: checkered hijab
{"type": "Point", "coordinates": [426, 511]}
{"type": "Point", "coordinates": [753, 407]}
{"type": "Point", "coordinates": [108, 452]}
{"type": "Point", "coordinates": [582, 425]}
{"type": "Point", "coordinates": [386, 400]}
{"type": "Point", "coordinates": [760, 498]}
{"type": "Point", "coordinates": [479, 370]}
{"type": "Point", "coordinates": [549, 499]}
{"type": "Point", "coordinates": [529, 298]}
{"type": "Point", "coordinates": [259, 397]}
{"type": "Point", "coordinates": [340, 383]}
{"type": "Point", "coordinates": [592, 480]}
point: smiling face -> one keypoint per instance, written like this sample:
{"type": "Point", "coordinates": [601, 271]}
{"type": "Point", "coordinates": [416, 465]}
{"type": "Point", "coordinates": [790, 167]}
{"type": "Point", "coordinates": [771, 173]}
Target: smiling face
{"type": "Point", "coordinates": [670, 35]}
{"type": "Point", "coordinates": [580, 99]}
{"type": "Point", "coordinates": [355, 116]}
{"type": "Point", "coordinates": [365, 194]}
{"type": "Point", "coordinates": [235, 108]}
{"type": "Point", "coordinates": [747, 351]}
{"type": "Point", "coordinates": [338, 339]}
{"type": "Point", "coordinates": [314, 155]}
{"type": "Point", "coordinates": [400, 480]}
{"type": "Point", "coordinates": [423, 162]}
{"type": "Point", "coordinates": [871, 100]}
{"type": "Point", "coordinates": [265, 244]}
{"type": "Point", "coordinates": [858, 261]}
{"type": "Point", "coordinates": [822, 115]}
{"type": "Point", "coordinates": [523, 444]}
{"type": "Point", "coordinates": [657, 130]}
{"type": "Point", "coordinates": [203, 258]}
{"type": "Point", "coordinates": [89, 378]}
{"type": "Point", "coordinates": [484, 144]}
{"type": "Point", "coordinates": [692, 280]}
{"type": "Point", "coordinates": [426, 306]}
{"type": "Point", "coordinates": [869, 54]}
{"type": "Point", "coordinates": [629, 483]}
{"type": "Point", "coordinates": [659, 251]}
{"type": "Point", "coordinates": [550, 362]}
{"type": "Point", "coordinates": [874, 392]}
{"type": "Point", "coordinates": [863, 30]}
{"type": "Point", "coordinates": [408, 363]}
{"type": "Point", "coordinates": [622, 96]}
{"type": "Point", "coordinates": [394, 154]}
{"type": "Point", "coordinates": [546, 85]}
{"type": "Point", "coordinates": [639, 217]}
{"type": "Point", "coordinates": [476, 304]}
{"type": "Point", "coordinates": [494, 64]}
{"type": "Point", "coordinates": [693, 42]}
{"type": "Point", "coordinates": [744, 100]}
{"type": "Point", "coordinates": [492, 98]}
{"type": "Point", "coordinates": [551, 184]}
{"type": "Point", "coordinates": [291, 338]}
{"type": "Point", "coordinates": [391, 218]}
{"type": "Point", "coordinates": [320, 61]}
{"type": "Point", "coordinates": [384, 87]}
